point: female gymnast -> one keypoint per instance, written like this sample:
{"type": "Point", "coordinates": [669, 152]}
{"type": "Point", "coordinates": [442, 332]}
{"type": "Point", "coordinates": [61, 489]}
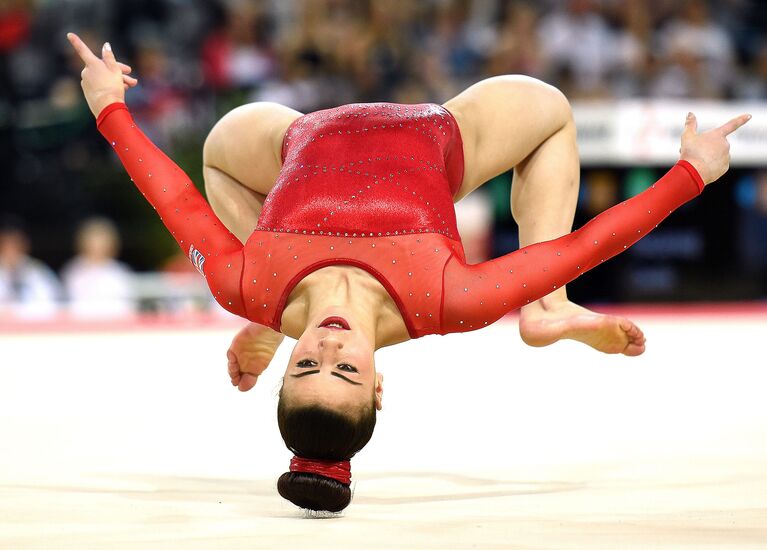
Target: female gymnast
{"type": "Point", "coordinates": [350, 239]}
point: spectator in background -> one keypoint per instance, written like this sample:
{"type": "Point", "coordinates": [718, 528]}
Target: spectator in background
{"type": "Point", "coordinates": [580, 46]}
{"type": "Point", "coordinates": [97, 285]}
{"type": "Point", "coordinates": [316, 57]}
{"type": "Point", "coordinates": [160, 107]}
{"type": "Point", "coordinates": [382, 54]}
{"type": "Point", "coordinates": [751, 195]}
{"type": "Point", "coordinates": [752, 85]}
{"type": "Point", "coordinates": [697, 55]}
{"type": "Point", "coordinates": [518, 47]}
{"type": "Point", "coordinates": [451, 60]}
{"type": "Point", "coordinates": [28, 288]}
{"type": "Point", "coordinates": [601, 192]}
{"type": "Point", "coordinates": [15, 23]}
{"type": "Point", "coordinates": [238, 55]}
{"type": "Point", "coordinates": [632, 48]}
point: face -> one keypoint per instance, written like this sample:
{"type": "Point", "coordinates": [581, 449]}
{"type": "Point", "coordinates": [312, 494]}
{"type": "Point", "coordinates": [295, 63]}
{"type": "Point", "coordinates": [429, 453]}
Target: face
{"type": "Point", "coordinates": [98, 244]}
{"type": "Point", "coordinates": [13, 248]}
{"type": "Point", "coordinates": [332, 364]}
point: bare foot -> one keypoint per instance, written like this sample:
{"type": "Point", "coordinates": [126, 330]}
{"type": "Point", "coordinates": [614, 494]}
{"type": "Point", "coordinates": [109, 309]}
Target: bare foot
{"type": "Point", "coordinates": [541, 326]}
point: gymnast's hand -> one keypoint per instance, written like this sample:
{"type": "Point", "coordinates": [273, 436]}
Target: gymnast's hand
{"type": "Point", "coordinates": [250, 353]}
{"type": "Point", "coordinates": [709, 152]}
{"type": "Point", "coordinates": [104, 80]}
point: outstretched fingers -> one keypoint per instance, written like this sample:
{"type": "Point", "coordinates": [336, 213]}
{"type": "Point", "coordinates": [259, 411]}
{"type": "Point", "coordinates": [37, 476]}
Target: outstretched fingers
{"type": "Point", "coordinates": [243, 381]}
{"type": "Point", "coordinates": [636, 339]}
{"type": "Point", "coordinates": [109, 57]}
{"type": "Point", "coordinates": [233, 368]}
{"type": "Point", "coordinates": [729, 127]}
{"type": "Point", "coordinates": [690, 125]}
{"type": "Point", "coordinates": [85, 53]}
{"type": "Point", "coordinates": [247, 381]}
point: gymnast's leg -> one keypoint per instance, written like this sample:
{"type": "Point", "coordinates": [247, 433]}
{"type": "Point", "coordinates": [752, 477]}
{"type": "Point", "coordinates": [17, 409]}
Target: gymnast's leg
{"type": "Point", "coordinates": [544, 196]}
{"type": "Point", "coordinates": [241, 162]}
{"type": "Point", "coordinates": [522, 123]}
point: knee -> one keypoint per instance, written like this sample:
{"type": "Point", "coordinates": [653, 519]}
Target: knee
{"type": "Point", "coordinates": [555, 102]}
{"type": "Point", "coordinates": [211, 148]}
{"type": "Point", "coordinates": [219, 138]}
{"type": "Point", "coordinates": [547, 99]}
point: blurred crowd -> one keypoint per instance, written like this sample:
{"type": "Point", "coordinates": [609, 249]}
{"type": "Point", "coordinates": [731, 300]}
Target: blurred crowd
{"type": "Point", "coordinates": [311, 54]}
{"type": "Point", "coordinates": [196, 59]}
{"type": "Point", "coordinates": [93, 285]}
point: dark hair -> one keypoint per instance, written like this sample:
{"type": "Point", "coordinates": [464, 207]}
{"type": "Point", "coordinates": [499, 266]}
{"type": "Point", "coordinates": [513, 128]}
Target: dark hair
{"type": "Point", "coordinates": [12, 224]}
{"type": "Point", "coordinates": [321, 433]}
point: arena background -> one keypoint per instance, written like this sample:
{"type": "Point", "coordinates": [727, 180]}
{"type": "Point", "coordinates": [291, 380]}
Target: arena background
{"type": "Point", "coordinates": [116, 422]}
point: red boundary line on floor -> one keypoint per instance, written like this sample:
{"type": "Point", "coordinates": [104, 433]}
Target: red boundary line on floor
{"type": "Point", "coordinates": [63, 324]}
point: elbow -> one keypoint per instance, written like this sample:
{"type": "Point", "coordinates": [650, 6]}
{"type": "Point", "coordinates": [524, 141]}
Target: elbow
{"type": "Point", "coordinates": [231, 306]}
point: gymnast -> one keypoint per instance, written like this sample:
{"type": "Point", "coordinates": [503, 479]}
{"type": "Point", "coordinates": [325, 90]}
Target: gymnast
{"type": "Point", "coordinates": [350, 239]}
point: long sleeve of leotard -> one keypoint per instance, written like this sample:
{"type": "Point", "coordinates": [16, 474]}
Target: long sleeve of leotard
{"type": "Point", "coordinates": [477, 295]}
{"type": "Point", "coordinates": [214, 251]}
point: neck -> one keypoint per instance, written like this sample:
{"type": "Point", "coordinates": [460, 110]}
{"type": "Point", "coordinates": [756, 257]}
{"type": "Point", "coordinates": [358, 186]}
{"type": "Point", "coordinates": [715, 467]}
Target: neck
{"type": "Point", "coordinates": [346, 296]}
{"type": "Point", "coordinates": [95, 259]}
{"type": "Point", "coordinates": [350, 293]}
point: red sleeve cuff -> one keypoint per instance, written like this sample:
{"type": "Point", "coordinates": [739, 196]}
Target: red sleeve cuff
{"type": "Point", "coordinates": [694, 173]}
{"type": "Point", "coordinates": [109, 109]}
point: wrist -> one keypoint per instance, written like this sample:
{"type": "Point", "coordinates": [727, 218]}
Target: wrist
{"type": "Point", "coordinates": [700, 168]}
{"type": "Point", "coordinates": [106, 101]}
{"type": "Point", "coordinates": [108, 110]}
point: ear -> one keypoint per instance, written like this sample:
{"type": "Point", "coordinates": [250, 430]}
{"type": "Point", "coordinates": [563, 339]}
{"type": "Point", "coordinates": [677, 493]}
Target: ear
{"type": "Point", "coordinates": [379, 391]}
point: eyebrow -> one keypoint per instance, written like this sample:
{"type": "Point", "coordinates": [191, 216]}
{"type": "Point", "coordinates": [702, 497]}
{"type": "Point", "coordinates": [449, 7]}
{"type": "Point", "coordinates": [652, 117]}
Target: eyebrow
{"type": "Point", "coordinates": [339, 375]}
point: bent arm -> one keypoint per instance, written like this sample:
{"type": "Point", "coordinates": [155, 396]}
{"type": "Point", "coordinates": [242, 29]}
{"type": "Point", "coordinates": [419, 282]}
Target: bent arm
{"type": "Point", "coordinates": [478, 295]}
{"type": "Point", "coordinates": [216, 253]}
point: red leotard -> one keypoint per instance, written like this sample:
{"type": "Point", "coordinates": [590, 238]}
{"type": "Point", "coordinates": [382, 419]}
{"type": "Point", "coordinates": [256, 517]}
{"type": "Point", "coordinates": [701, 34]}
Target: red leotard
{"type": "Point", "coordinates": [371, 185]}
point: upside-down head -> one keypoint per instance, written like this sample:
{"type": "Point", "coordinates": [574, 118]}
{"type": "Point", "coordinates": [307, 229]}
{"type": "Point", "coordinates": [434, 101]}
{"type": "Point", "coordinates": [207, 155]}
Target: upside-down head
{"type": "Point", "coordinates": [327, 409]}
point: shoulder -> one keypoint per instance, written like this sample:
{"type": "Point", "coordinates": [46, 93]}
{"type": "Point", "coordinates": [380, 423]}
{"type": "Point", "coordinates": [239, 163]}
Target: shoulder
{"type": "Point", "coordinates": [37, 270]}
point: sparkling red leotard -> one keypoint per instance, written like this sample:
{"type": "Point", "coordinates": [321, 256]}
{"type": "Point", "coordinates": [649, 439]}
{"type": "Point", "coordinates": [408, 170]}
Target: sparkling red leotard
{"type": "Point", "coordinates": [371, 185]}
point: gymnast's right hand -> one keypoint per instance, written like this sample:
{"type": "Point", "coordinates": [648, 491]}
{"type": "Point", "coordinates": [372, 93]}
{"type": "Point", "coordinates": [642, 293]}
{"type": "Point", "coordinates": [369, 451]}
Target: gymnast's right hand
{"type": "Point", "coordinates": [251, 352]}
{"type": "Point", "coordinates": [709, 152]}
{"type": "Point", "coordinates": [104, 80]}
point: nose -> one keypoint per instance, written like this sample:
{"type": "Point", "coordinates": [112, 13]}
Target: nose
{"type": "Point", "coordinates": [331, 342]}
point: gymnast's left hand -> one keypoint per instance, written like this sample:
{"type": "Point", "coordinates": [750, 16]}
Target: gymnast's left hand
{"type": "Point", "coordinates": [104, 80]}
{"type": "Point", "coordinates": [251, 351]}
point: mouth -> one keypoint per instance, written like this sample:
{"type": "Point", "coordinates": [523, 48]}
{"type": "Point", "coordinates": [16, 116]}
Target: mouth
{"type": "Point", "coordinates": [335, 323]}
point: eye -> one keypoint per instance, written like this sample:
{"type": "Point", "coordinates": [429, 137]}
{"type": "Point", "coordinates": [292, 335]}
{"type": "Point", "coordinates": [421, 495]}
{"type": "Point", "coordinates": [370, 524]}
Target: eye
{"type": "Point", "coordinates": [346, 367]}
{"type": "Point", "coordinates": [306, 363]}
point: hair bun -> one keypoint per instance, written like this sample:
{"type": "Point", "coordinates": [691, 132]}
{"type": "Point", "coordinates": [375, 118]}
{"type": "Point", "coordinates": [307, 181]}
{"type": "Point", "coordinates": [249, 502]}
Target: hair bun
{"type": "Point", "coordinates": [314, 492]}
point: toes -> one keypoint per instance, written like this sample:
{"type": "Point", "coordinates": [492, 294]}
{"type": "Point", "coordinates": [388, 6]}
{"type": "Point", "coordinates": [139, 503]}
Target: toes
{"type": "Point", "coordinates": [632, 350]}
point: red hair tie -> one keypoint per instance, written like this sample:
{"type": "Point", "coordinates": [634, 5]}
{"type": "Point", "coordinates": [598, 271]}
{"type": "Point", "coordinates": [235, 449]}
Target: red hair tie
{"type": "Point", "coordinates": [341, 470]}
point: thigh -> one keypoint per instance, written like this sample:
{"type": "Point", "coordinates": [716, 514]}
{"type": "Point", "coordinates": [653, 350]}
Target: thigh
{"type": "Point", "coordinates": [246, 144]}
{"type": "Point", "coordinates": [502, 121]}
